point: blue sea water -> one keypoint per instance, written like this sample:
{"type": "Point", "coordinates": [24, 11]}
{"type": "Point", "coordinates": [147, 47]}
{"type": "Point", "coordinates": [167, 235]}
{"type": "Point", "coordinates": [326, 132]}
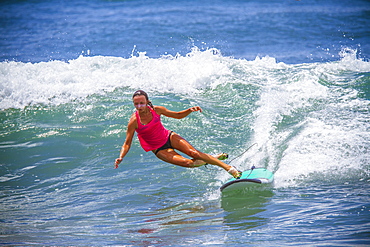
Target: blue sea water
{"type": "Point", "coordinates": [291, 76]}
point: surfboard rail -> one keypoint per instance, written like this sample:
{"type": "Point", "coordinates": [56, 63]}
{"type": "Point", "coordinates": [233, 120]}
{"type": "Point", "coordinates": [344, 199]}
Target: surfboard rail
{"type": "Point", "coordinates": [250, 177]}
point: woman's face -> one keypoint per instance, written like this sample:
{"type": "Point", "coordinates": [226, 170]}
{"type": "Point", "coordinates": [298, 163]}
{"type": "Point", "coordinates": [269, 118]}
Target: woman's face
{"type": "Point", "coordinates": [140, 102]}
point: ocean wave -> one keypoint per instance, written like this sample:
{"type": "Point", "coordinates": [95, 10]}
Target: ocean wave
{"type": "Point", "coordinates": [305, 118]}
{"type": "Point", "coordinates": [57, 82]}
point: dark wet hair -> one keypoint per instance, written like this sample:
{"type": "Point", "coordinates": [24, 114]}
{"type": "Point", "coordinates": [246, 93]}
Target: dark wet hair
{"type": "Point", "coordinates": [141, 92]}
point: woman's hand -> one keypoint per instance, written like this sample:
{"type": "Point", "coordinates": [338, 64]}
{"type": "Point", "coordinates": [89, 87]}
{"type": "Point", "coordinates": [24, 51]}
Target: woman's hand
{"type": "Point", "coordinates": [118, 161]}
{"type": "Point", "coordinates": [195, 108]}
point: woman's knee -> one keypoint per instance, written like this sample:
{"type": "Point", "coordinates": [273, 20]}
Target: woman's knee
{"type": "Point", "coordinates": [195, 154]}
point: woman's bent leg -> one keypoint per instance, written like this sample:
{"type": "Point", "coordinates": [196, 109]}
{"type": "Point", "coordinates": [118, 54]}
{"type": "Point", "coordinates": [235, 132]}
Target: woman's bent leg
{"type": "Point", "coordinates": [182, 145]}
{"type": "Point", "coordinates": [172, 157]}
{"type": "Point", "coordinates": [199, 158]}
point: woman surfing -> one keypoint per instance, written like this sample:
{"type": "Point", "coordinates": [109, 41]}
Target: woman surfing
{"type": "Point", "coordinates": [153, 136]}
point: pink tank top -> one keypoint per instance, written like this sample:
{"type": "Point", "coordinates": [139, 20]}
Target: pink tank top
{"type": "Point", "coordinates": [152, 135]}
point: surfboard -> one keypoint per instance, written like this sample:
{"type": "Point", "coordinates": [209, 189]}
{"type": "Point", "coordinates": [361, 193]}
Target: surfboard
{"type": "Point", "coordinates": [254, 177]}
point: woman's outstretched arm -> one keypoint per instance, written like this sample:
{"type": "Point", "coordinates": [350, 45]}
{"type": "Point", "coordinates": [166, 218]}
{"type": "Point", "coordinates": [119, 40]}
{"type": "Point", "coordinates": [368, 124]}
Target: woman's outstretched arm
{"type": "Point", "coordinates": [176, 114]}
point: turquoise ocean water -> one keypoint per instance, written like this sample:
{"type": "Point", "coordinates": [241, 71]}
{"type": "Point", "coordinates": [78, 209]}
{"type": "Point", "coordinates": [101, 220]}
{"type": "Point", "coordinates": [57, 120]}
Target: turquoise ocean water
{"type": "Point", "coordinates": [291, 76]}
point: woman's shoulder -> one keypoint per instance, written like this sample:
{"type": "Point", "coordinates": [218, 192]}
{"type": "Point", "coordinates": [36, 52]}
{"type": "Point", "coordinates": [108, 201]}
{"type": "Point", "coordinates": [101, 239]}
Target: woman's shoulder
{"type": "Point", "coordinates": [132, 119]}
{"type": "Point", "coordinates": [159, 109]}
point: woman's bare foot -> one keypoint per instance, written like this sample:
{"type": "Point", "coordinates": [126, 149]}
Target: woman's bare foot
{"type": "Point", "coordinates": [234, 172]}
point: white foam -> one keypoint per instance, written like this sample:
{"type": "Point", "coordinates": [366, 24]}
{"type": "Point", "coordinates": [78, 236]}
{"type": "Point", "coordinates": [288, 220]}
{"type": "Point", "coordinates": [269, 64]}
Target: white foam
{"type": "Point", "coordinates": [57, 82]}
{"type": "Point", "coordinates": [332, 134]}
{"type": "Point", "coordinates": [325, 149]}
{"type": "Point", "coordinates": [278, 100]}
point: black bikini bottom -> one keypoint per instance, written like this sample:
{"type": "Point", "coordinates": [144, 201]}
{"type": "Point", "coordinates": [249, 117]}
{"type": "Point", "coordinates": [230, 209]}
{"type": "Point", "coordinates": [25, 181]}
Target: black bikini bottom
{"type": "Point", "coordinates": [167, 145]}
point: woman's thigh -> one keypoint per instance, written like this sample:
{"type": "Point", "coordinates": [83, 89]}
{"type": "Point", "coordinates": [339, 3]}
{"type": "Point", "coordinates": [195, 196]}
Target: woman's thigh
{"type": "Point", "coordinates": [182, 145]}
{"type": "Point", "coordinates": [172, 157]}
